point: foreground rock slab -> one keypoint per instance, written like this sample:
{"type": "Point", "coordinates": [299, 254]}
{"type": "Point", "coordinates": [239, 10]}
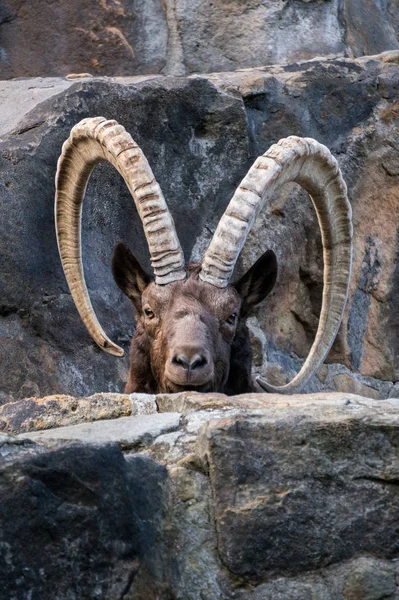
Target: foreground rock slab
{"type": "Point", "coordinates": [34, 414]}
{"type": "Point", "coordinates": [254, 497]}
{"type": "Point", "coordinates": [66, 523]}
{"type": "Point", "coordinates": [128, 432]}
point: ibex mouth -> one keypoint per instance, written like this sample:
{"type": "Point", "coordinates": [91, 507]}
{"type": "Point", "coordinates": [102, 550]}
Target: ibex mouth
{"type": "Point", "coordinates": [203, 388]}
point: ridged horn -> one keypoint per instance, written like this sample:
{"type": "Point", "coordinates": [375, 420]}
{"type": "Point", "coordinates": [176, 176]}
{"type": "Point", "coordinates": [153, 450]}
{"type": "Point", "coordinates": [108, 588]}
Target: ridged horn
{"type": "Point", "coordinates": [312, 166]}
{"type": "Point", "coordinates": [90, 142]}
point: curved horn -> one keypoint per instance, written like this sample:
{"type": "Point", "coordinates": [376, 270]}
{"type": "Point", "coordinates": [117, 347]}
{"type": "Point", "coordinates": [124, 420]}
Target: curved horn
{"type": "Point", "coordinates": [312, 166]}
{"type": "Point", "coordinates": [90, 142]}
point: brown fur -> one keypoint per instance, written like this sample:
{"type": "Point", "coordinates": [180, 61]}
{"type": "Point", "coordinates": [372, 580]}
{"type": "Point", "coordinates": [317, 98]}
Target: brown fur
{"type": "Point", "coordinates": [187, 337]}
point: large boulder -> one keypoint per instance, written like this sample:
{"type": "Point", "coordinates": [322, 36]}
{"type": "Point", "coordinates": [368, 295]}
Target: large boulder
{"type": "Point", "coordinates": [68, 528]}
{"type": "Point", "coordinates": [201, 134]}
{"type": "Point", "coordinates": [130, 37]}
{"type": "Point", "coordinates": [257, 497]}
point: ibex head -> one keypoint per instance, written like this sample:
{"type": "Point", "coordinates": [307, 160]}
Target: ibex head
{"type": "Point", "coordinates": [191, 331]}
{"type": "Point", "coordinates": [191, 334]}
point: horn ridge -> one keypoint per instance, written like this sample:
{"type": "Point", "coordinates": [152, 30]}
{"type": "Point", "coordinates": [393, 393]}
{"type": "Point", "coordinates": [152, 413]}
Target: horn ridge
{"type": "Point", "coordinates": [312, 166]}
{"type": "Point", "coordinates": [91, 141]}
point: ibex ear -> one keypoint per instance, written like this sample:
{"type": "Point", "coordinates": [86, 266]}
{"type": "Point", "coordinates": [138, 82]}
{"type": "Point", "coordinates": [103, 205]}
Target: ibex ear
{"type": "Point", "coordinates": [128, 274]}
{"type": "Point", "coordinates": [257, 282]}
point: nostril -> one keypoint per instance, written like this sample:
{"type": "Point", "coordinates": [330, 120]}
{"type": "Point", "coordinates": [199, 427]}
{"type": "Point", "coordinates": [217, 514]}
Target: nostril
{"type": "Point", "coordinates": [197, 362]}
{"type": "Point", "coordinates": [189, 364]}
{"type": "Point", "coordinates": [182, 361]}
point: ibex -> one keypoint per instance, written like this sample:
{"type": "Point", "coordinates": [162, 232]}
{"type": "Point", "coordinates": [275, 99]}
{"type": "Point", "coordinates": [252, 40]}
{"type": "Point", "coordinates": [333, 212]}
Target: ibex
{"type": "Point", "coordinates": [191, 332]}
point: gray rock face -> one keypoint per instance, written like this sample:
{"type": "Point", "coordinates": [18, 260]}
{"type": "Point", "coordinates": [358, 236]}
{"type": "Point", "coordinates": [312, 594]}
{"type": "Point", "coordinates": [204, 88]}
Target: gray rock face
{"type": "Point", "coordinates": [105, 38]}
{"type": "Point", "coordinates": [67, 525]}
{"type": "Point", "coordinates": [131, 37]}
{"type": "Point", "coordinates": [127, 431]}
{"type": "Point", "coordinates": [254, 497]}
{"type": "Point", "coordinates": [294, 519]}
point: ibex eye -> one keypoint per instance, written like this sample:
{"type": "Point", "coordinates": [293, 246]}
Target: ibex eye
{"type": "Point", "coordinates": [231, 319]}
{"type": "Point", "coordinates": [149, 313]}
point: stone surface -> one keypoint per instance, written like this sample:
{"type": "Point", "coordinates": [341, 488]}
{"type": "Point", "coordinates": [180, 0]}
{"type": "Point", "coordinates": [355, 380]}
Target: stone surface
{"type": "Point", "coordinates": [34, 414]}
{"type": "Point", "coordinates": [67, 527]}
{"type": "Point", "coordinates": [329, 493]}
{"type": "Point", "coordinates": [201, 134]}
{"type": "Point", "coordinates": [345, 382]}
{"type": "Point", "coordinates": [106, 38]}
{"type": "Point", "coordinates": [129, 37]}
{"type": "Point", "coordinates": [58, 415]}
{"type": "Point", "coordinates": [128, 432]}
{"type": "Point", "coordinates": [361, 578]}
{"type": "Point", "coordinates": [259, 497]}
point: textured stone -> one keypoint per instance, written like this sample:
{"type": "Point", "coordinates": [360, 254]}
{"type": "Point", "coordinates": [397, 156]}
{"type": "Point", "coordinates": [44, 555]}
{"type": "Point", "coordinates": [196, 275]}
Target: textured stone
{"type": "Point", "coordinates": [188, 402]}
{"type": "Point", "coordinates": [128, 432]}
{"type": "Point", "coordinates": [127, 37]}
{"type": "Point", "coordinates": [258, 342]}
{"type": "Point", "coordinates": [334, 583]}
{"type": "Point", "coordinates": [329, 493]}
{"type": "Point", "coordinates": [258, 497]}
{"type": "Point", "coordinates": [67, 527]}
{"type": "Point", "coordinates": [142, 404]}
{"type": "Point", "coordinates": [395, 391]}
{"type": "Point", "coordinates": [347, 383]}
{"type": "Point", "coordinates": [105, 38]}
{"type": "Point", "coordinates": [367, 581]}
{"type": "Point", "coordinates": [33, 414]}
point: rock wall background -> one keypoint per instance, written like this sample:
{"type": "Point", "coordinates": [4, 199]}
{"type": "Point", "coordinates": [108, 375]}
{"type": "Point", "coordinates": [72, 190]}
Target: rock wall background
{"type": "Point", "coordinates": [129, 37]}
{"type": "Point", "coordinates": [201, 134]}
{"type": "Point", "coordinates": [192, 496]}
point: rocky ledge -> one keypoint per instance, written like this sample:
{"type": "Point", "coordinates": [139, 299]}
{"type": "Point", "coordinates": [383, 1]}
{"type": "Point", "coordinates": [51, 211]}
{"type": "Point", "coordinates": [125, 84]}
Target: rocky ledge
{"type": "Point", "coordinates": [200, 496]}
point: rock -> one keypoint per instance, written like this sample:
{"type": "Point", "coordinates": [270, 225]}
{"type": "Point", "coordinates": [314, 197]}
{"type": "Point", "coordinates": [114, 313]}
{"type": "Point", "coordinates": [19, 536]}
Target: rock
{"type": "Point", "coordinates": [201, 134]}
{"type": "Point", "coordinates": [340, 378]}
{"type": "Point", "coordinates": [131, 37]}
{"type": "Point", "coordinates": [128, 432]}
{"type": "Point", "coordinates": [259, 497]}
{"type": "Point", "coordinates": [295, 519]}
{"type": "Point", "coordinates": [395, 391]}
{"type": "Point", "coordinates": [109, 38]}
{"type": "Point", "coordinates": [142, 404]}
{"type": "Point", "coordinates": [349, 384]}
{"type": "Point", "coordinates": [58, 415]}
{"type": "Point", "coordinates": [34, 414]}
{"type": "Point", "coordinates": [367, 581]}
{"type": "Point", "coordinates": [332, 584]}
{"type": "Point", "coordinates": [67, 525]}
{"type": "Point", "coordinates": [258, 342]}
